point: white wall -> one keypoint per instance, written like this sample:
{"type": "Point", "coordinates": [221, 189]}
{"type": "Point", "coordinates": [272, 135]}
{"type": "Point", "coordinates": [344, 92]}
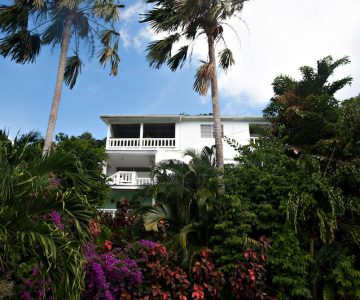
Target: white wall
{"type": "Point", "coordinates": [188, 136]}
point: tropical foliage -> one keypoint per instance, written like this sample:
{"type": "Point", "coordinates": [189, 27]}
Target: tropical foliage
{"type": "Point", "coordinates": [185, 195]}
{"type": "Point", "coordinates": [43, 219]}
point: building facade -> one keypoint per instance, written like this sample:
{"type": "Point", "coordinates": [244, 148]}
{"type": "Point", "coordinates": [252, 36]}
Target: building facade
{"type": "Point", "coordinates": [135, 143]}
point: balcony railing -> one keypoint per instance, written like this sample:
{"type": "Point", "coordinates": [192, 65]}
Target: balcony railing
{"type": "Point", "coordinates": [111, 211]}
{"type": "Point", "coordinates": [124, 178]}
{"type": "Point", "coordinates": [144, 143]}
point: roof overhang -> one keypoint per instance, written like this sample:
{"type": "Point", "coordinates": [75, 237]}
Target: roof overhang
{"type": "Point", "coordinates": [126, 119]}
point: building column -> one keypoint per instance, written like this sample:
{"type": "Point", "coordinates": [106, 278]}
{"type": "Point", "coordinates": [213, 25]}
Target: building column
{"type": "Point", "coordinates": [108, 137]}
{"type": "Point", "coordinates": [141, 134]}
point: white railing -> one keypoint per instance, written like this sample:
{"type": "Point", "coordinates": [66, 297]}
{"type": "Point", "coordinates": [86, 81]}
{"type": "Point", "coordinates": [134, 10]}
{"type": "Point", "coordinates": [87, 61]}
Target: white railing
{"type": "Point", "coordinates": [144, 143]}
{"type": "Point", "coordinates": [162, 142]}
{"type": "Point", "coordinates": [143, 181]}
{"type": "Point", "coordinates": [111, 211]}
{"type": "Point", "coordinates": [125, 178]}
{"type": "Point", "coordinates": [253, 139]}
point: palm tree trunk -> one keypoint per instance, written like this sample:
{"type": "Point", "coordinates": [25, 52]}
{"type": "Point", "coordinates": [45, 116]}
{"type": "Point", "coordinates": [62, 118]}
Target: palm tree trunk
{"type": "Point", "coordinates": [58, 86]}
{"type": "Point", "coordinates": [312, 254]}
{"type": "Point", "coordinates": [216, 105]}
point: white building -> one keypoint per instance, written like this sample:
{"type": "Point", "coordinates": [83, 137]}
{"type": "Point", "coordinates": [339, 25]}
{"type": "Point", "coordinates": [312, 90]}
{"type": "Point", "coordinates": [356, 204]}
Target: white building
{"type": "Point", "coordinates": [135, 143]}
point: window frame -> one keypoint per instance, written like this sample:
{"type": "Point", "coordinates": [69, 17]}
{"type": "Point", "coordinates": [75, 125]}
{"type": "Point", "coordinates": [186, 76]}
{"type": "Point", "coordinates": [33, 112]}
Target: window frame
{"type": "Point", "coordinates": [210, 132]}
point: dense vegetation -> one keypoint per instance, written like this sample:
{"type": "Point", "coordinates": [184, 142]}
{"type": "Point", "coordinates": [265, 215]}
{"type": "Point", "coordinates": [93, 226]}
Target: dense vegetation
{"type": "Point", "coordinates": [286, 227]}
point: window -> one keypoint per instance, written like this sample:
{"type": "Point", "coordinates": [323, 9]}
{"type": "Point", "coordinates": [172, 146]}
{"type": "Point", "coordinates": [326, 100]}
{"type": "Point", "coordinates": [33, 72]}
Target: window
{"type": "Point", "coordinates": [159, 130]}
{"type": "Point", "coordinates": [207, 131]}
{"type": "Point", "coordinates": [126, 131]}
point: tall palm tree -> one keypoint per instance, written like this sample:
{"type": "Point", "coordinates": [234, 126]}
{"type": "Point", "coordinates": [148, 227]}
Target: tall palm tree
{"type": "Point", "coordinates": [188, 19]}
{"type": "Point", "coordinates": [30, 24]}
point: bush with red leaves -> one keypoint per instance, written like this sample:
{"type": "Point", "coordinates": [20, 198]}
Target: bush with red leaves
{"type": "Point", "coordinates": [163, 279]}
{"type": "Point", "coordinates": [207, 282]}
{"type": "Point", "coordinates": [248, 281]}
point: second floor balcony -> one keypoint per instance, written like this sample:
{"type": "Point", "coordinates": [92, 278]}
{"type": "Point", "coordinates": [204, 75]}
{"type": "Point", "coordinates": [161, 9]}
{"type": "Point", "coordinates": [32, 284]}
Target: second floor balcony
{"type": "Point", "coordinates": [139, 143]}
{"type": "Point", "coordinates": [141, 136]}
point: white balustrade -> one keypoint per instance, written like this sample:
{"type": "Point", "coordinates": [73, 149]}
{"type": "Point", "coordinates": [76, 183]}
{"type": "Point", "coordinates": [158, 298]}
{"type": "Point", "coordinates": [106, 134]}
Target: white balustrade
{"type": "Point", "coordinates": [145, 143]}
{"type": "Point", "coordinates": [124, 178]}
{"type": "Point", "coordinates": [111, 211]}
{"type": "Point", "coordinates": [253, 139]}
{"type": "Point", "coordinates": [143, 181]}
{"type": "Point", "coordinates": [114, 144]}
{"type": "Point", "coordinates": [158, 143]}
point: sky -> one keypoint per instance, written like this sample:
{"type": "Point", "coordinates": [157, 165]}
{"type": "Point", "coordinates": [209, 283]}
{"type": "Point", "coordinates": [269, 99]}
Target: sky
{"type": "Point", "coordinates": [272, 38]}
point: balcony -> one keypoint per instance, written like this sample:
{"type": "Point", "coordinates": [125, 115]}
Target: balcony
{"type": "Point", "coordinates": [110, 211]}
{"type": "Point", "coordinates": [139, 143]}
{"type": "Point", "coordinates": [128, 180]}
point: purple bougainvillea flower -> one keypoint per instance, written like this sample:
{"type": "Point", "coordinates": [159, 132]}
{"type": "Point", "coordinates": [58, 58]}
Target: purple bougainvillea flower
{"type": "Point", "coordinates": [34, 271]}
{"type": "Point", "coordinates": [25, 295]}
{"type": "Point", "coordinates": [56, 218]}
{"type": "Point", "coordinates": [146, 243]}
{"type": "Point", "coordinates": [109, 295]}
{"type": "Point", "coordinates": [89, 251]}
{"type": "Point", "coordinates": [99, 276]}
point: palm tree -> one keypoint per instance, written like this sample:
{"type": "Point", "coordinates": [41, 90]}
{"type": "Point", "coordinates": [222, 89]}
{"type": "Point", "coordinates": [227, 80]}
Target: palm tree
{"type": "Point", "coordinates": [28, 25]}
{"type": "Point", "coordinates": [188, 19]}
{"type": "Point", "coordinates": [300, 106]}
{"type": "Point", "coordinates": [31, 189]}
{"type": "Point", "coordinates": [185, 195]}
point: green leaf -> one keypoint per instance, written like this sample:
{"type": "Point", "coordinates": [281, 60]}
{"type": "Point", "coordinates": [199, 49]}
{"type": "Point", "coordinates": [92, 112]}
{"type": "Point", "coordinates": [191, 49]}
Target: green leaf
{"type": "Point", "coordinates": [226, 59]}
{"type": "Point", "coordinates": [72, 69]}
{"type": "Point", "coordinates": [154, 215]}
{"type": "Point", "coordinates": [23, 47]}
{"type": "Point", "coordinates": [177, 61]}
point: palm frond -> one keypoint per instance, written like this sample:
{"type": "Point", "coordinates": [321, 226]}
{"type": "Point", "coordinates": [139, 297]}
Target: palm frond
{"type": "Point", "coordinates": [81, 24]}
{"type": "Point", "coordinates": [109, 54]}
{"type": "Point", "coordinates": [72, 69]}
{"type": "Point", "coordinates": [183, 235]}
{"type": "Point", "coordinates": [67, 4]}
{"type": "Point", "coordinates": [39, 4]}
{"type": "Point", "coordinates": [23, 47]}
{"type": "Point", "coordinates": [154, 215]}
{"type": "Point", "coordinates": [159, 51]}
{"type": "Point", "coordinates": [107, 10]}
{"type": "Point", "coordinates": [226, 59]}
{"type": "Point", "coordinates": [14, 18]}
{"type": "Point", "coordinates": [177, 61]}
{"type": "Point", "coordinates": [53, 34]}
{"type": "Point", "coordinates": [203, 77]}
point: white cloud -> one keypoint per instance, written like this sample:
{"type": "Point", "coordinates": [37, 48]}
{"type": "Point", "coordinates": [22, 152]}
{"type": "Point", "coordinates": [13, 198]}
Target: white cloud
{"type": "Point", "coordinates": [125, 38]}
{"type": "Point", "coordinates": [287, 34]}
{"type": "Point", "coordinates": [132, 13]}
{"type": "Point", "coordinates": [142, 38]}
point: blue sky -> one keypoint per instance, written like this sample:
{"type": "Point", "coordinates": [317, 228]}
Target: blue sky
{"type": "Point", "coordinates": [277, 41]}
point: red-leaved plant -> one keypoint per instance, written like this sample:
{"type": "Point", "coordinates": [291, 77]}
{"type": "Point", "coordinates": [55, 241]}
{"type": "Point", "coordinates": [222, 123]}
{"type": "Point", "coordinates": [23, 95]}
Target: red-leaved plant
{"type": "Point", "coordinates": [207, 281]}
{"type": "Point", "coordinates": [162, 278]}
{"type": "Point", "coordinates": [248, 281]}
